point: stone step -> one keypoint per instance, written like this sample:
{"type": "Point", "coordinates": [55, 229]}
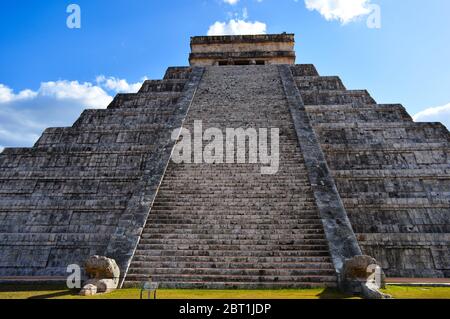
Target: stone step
{"type": "Point", "coordinates": [223, 247]}
{"type": "Point", "coordinates": [234, 182]}
{"type": "Point", "coordinates": [406, 228]}
{"type": "Point", "coordinates": [304, 70]}
{"type": "Point", "coordinates": [222, 183]}
{"type": "Point", "coordinates": [231, 242]}
{"type": "Point", "coordinates": [230, 236]}
{"type": "Point", "coordinates": [331, 114]}
{"type": "Point", "coordinates": [149, 102]}
{"type": "Point", "coordinates": [133, 100]}
{"type": "Point", "coordinates": [233, 285]}
{"type": "Point", "coordinates": [75, 150]}
{"type": "Point", "coordinates": [234, 253]}
{"type": "Point", "coordinates": [48, 240]}
{"type": "Point", "coordinates": [253, 206]}
{"type": "Point", "coordinates": [167, 85]}
{"type": "Point", "coordinates": [333, 97]}
{"type": "Point", "coordinates": [109, 128]}
{"type": "Point", "coordinates": [228, 192]}
{"type": "Point", "coordinates": [388, 147]}
{"type": "Point", "coordinates": [259, 208]}
{"type": "Point", "coordinates": [178, 73]}
{"type": "Point", "coordinates": [67, 173]}
{"type": "Point", "coordinates": [233, 260]}
{"type": "Point", "coordinates": [99, 204]}
{"type": "Point", "coordinates": [232, 218]}
{"type": "Point", "coordinates": [267, 221]}
{"type": "Point", "coordinates": [124, 123]}
{"type": "Point", "coordinates": [393, 173]}
{"type": "Point", "coordinates": [398, 203]}
{"type": "Point", "coordinates": [196, 226]}
{"type": "Point", "coordinates": [137, 116]}
{"type": "Point", "coordinates": [138, 267]}
{"type": "Point", "coordinates": [240, 202]}
{"type": "Point", "coordinates": [158, 232]}
{"type": "Point", "coordinates": [11, 229]}
{"type": "Point", "coordinates": [319, 83]}
{"type": "Point", "coordinates": [236, 278]}
{"type": "Point", "coordinates": [264, 212]}
{"type": "Point", "coordinates": [260, 272]}
{"type": "Point", "coordinates": [380, 126]}
{"type": "Point", "coordinates": [40, 188]}
{"type": "Point", "coordinates": [380, 133]}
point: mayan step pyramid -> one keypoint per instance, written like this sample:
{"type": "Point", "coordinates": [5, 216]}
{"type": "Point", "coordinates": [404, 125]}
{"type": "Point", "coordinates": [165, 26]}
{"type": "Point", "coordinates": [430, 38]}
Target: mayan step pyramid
{"type": "Point", "coordinates": [354, 177]}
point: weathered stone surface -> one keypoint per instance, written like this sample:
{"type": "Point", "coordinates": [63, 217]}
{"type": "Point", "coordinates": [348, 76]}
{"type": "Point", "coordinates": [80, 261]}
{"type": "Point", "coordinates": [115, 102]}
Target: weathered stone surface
{"type": "Point", "coordinates": [88, 290]}
{"type": "Point", "coordinates": [69, 196]}
{"type": "Point", "coordinates": [242, 50]}
{"type": "Point", "coordinates": [363, 275]}
{"type": "Point", "coordinates": [357, 268]}
{"type": "Point", "coordinates": [104, 186]}
{"type": "Point", "coordinates": [391, 173]}
{"type": "Point", "coordinates": [99, 267]}
{"type": "Point", "coordinates": [226, 225]}
{"type": "Point", "coordinates": [342, 242]}
{"type": "Point", "coordinates": [103, 273]}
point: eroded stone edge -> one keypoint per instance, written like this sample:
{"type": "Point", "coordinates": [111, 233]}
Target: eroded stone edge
{"type": "Point", "coordinates": [125, 239]}
{"type": "Point", "coordinates": [341, 239]}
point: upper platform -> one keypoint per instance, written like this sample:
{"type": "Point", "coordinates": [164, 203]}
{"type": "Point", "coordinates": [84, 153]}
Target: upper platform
{"type": "Point", "coordinates": [242, 50]}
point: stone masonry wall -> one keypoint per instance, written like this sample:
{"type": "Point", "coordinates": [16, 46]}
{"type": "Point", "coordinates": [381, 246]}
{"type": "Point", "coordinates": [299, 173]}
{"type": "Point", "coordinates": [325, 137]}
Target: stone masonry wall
{"type": "Point", "coordinates": [88, 189]}
{"type": "Point", "coordinates": [65, 199]}
{"type": "Point", "coordinates": [392, 174]}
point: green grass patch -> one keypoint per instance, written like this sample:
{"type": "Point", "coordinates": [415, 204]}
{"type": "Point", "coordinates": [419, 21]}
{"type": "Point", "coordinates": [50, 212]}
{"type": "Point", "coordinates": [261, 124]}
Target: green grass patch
{"type": "Point", "coordinates": [49, 292]}
{"type": "Point", "coordinates": [52, 292]}
{"type": "Point", "coordinates": [403, 292]}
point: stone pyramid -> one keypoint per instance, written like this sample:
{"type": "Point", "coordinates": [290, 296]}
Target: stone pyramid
{"type": "Point", "coordinates": [355, 177]}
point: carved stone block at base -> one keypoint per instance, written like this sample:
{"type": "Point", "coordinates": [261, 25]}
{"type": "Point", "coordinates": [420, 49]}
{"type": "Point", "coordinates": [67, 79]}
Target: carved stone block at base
{"type": "Point", "coordinates": [362, 275]}
{"type": "Point", "coordinates": [104, 276]}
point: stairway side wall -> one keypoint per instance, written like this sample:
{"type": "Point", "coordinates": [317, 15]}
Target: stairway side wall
{"type": "Point", "coordinates": [131, 224]}
{"type": "Point", "coordinates": [341, 238]}
{"type": "Point", "coordinates": [68, 197]}
{"type": "Point", "coordinates": [392, 174]}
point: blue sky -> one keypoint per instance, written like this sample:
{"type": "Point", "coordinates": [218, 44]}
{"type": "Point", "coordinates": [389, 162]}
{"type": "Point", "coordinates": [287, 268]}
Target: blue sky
{"type": "Point", "coordinates": [50, 73]}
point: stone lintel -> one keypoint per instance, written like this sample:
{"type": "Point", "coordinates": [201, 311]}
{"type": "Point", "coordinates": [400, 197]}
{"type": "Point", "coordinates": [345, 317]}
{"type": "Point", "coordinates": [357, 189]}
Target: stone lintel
{"type": "Point", "coordinates": [258, 38]}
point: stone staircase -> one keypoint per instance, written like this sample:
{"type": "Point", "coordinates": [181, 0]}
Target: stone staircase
{"type": "Point", "coordinates": [88, 189]}
{"type": "Point", "coordinates": [226, 225]}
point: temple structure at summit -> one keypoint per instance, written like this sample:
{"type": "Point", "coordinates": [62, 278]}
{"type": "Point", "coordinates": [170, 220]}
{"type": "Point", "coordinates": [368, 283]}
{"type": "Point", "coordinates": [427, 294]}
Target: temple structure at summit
{"type": "Point", "coordinates": [355, 177]}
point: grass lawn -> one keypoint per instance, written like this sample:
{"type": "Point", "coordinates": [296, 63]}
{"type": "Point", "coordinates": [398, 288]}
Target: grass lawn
{"type": "Point", "coordinates": [29, 292]}
{"type": "Point", "coordinates": [403, 292]}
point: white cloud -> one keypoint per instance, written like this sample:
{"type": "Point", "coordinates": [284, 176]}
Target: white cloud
{"type": "Point", "coordinates": [86, 93]}
{"type": "Point", "coordinates": [7, 95]}
{"type": "Point", "coordinates": [435, 114]}
{"type": "Point", "coordinates": [232, 2]}
{"type": "Point", "coordinates": [24, 115]}
{"type": "Point", "coordinates": [118, 85]}
{"type": "Point", "coordinates": [343, 10]}
{"type": "Point", "coordinates": [237, 27]}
